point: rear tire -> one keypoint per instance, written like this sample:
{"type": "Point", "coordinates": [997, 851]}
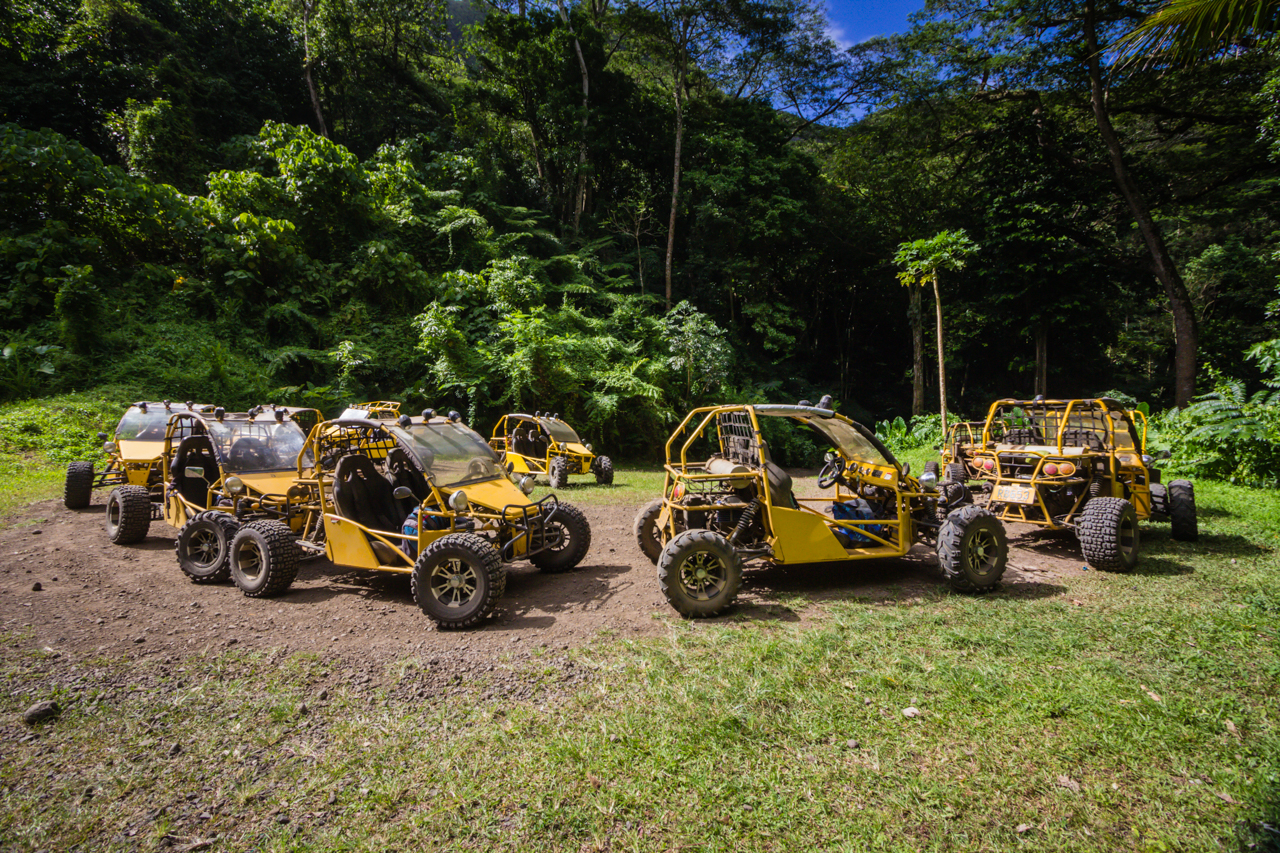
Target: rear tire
{"type": "Point", "coordinates": [558, 472]}
{"type": "Point", "coordinates": [1182, 511]}
{"type": "Point", "coordinates": [699, 573]}
{"type": "Point", "coordinates": [79, 487]}
{"type": "Point", "coordinates": [264, 558]}
{"type": "Point", "coordinates": [1160, 501]}
{"type": "Point", "coordinates": [203, 546]}
{"type": "Point", "coordinates": [648, 537]}
{"type": "Point", "coordinates": [973, 549]}
{"type": "Point", "coordinates": [128, 514]}
{"type": "Point", "coordinates": [957, 473]}
{"type": "Point", "coordinates": [931, 467]}
{"type": "Point", "coordinates": [570, 535]}
{"type": "Point", "coordinates": [604, 471]}
{"type": "Point", "coordinates": [458, 580]}
{"type": "Point", "coordinates": [1109, 534]}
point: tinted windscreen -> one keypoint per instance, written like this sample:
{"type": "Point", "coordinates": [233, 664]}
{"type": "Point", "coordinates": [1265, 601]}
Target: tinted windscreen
{"type": "Point", "coordinates": [559, 430]}
{"type": "Point", "coordinates": [852, 444]}
{"type": "Point", "coordinates": [245, 446]}
{"type": "Point", "coordinates": [451, 453]}
{"type": "Point", "coordinates": [136, 426]}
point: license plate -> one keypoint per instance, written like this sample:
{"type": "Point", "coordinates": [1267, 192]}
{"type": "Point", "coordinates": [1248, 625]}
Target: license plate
{"type": "Point", "coordinates": [1014, 494]}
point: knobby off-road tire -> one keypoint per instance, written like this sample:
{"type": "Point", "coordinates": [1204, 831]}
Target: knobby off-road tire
{"type": "Point", "coordinates": [558, 472]}
{"type": "Point", "coordinates": [79, 487]}
{"type": "Point", "coordinates": [264, 558]}
{"type": "Point", "coordinates": [128, 514]}
{"type": "Point", "coordinates": [568, 536]}
{"type": "Point", "coordinates": [458, 580]}
{"type": "Point", "coordinates": [1182, 511]}
{"type": "Point", "coordinates": [203, 546]}
{"type": "Point", "coordinates": [957, 473]}
{"type": "Point", "coordinates": [603, 469]}
{"type": "Point", "coordinates": [1159, 500]}
{"type": "Point", "coordinates": [972, 549]}
{"type": "Point", "coordinates": [1109, 534]}
{"type": "Point", "coordinates": [699, 573]}
{"type": "Point", "coordinates": [931, 467]}
{"type": "Point", "coordinates": [648, 537]}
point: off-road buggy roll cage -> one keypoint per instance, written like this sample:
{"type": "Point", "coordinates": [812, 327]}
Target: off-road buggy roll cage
{"type": "Point", "coordinates": [730, 505]}
{"type": "Point", "coordinates": [1079, 465]}
{"type": "Point", "coordinates": [544, 444]}
{"type": "Point", "coordinates": [133, 451]}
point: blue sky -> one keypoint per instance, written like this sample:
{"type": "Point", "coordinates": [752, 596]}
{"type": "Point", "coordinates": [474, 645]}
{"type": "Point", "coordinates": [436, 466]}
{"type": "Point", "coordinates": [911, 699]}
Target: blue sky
{"type": "Point", "coordinates": [853, 21]}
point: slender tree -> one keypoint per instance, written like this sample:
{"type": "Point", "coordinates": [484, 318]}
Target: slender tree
{"type": "Point", "coordinates": [921, 261]}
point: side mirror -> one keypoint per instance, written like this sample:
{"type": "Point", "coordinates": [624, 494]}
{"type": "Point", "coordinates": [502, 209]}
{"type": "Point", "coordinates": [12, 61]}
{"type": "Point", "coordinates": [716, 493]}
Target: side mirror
{"type": "Point", "coordinates": [829, 456]}
{"type": "Point", "coordinates": [906, 468]}
{"type": "Point", "coordinates": [1166, 454]}
{"type": "Point", "coordinates": [195, 472]}
{"type": "Point", "coordinates": [401, 493]}
{"type": "Point", "coordinates": [102, 436]}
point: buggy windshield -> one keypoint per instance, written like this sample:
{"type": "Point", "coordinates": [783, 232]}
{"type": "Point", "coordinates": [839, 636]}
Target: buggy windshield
{"type": "Point", "coordinates": [853, 444]}
{"type": "Point", "coordinates": [246, 446]}
{"type": "Point", "coordinates": [137, 425]}
{"type": "Point", "coordinates": [559, 430]}
{"type": "Point", "coordinates": [451, 453]}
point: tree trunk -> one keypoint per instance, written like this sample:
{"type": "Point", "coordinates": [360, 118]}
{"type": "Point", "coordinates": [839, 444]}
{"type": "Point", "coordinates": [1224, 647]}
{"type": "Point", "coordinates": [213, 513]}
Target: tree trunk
{"type": "Point", "coordinates": [581, 195]}
{"type": "Point", "coordinates": [942, 362]}
{"type": "Point", "coordinates": [307, 64]}
{"type": "Point", "coordinates": [1042, 359]}
{"type": "Point", "coordinates": [1184, 318]}
{"type": "Point", "coordinates": [675, 182]}
{"type": "Point", "coordinates": [915, 313]}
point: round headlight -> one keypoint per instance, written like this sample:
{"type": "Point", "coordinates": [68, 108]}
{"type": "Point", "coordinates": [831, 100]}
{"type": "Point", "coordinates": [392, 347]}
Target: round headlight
{"type": "Point", "coordinates": [588, 448]}
{"type": "Point", "coordinates": [929, 481]}
{"type": "Point", "coordinates": [458, 501]}
{"type": "Point", "coordinates": [109, 447]}
{"type": "Point", "coordinates": [526, 485]}
{"type": "Point", "coordinates": [234, 486]}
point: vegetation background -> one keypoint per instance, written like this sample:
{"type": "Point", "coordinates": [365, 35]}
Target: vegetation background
{"type": "Point", "coordinates": [617, 210]}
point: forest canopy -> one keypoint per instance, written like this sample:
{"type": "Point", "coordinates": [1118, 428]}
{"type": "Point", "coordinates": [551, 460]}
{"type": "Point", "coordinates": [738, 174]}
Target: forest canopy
{"type": "Point", "coordinates": [617, 210]}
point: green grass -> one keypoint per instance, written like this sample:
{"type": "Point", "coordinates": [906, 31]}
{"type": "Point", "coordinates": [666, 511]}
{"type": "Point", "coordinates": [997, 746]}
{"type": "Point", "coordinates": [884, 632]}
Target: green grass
{"type": "Point", "coordinates": [1128, 712]}
{"type": "Point", "coordinates": [631, 487]}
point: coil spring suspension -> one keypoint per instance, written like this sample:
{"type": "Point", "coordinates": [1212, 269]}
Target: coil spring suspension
{"type": "Point", "coordinates": [748, 517]}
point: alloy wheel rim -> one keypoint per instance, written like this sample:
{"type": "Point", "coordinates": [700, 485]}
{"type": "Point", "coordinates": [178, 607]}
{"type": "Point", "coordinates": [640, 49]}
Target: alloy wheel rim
{"type": "Point", "coordinates": [982, 554]}
{"type": "Point", "coordinates": [249, 558]}
{"type": "Point", "coordinates": [703, 575]}
{"type": "Point", "coordinates": [453, 583]}
{"type": "Point", "coordinates": [204, 548]}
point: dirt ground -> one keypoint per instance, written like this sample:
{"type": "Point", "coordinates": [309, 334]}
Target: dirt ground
{"type": "Point", "coordinates": [96, 598]}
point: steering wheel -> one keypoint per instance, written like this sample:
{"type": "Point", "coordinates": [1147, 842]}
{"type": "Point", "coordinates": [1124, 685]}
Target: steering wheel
{"type": "Point", "coordinates": [477, 468]}
{"type": "Point", "coordinates": [832, 472]}
{"type": "Point", "coordinates": [249, 451]}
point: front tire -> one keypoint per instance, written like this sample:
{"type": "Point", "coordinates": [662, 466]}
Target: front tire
{"type": "Point", "coordinates": [1109, 534]}
{"type": "Point", "coordinates": [1182, 511]}
{"type": "Point", "coordinates": [648, 536]}
{"type": "Point", "coordinates": [203, 546]}
{"type": "Point", "coordinates": [128, 514]}
{"type": "Point", "coordinates": [568, 536]}
{"type": "Point", "coordinates": [264, 558]}
{"type": "Point", "coordinates": [699, 573]}
{"type": "Point", "coordinates": [957, 473]}
{"type": "Point", "coordinates": [458, 580]}
{"type": "Point", "coordinates": [79, 487]}
{"type": "Point", "coordinates": [973, 549]}
{"type": "Point", "coordinates": [558, 472]}
{"type": "Point", "coordinates": [603, 469]}
{"type": "Point", "coordinates": [931, 467]}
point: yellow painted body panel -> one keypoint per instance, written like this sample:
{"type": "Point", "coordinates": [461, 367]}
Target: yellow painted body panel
{"type": "Point", "coordinates": [803, 537]}
{"type": "Point", "coordinates": [140, 451]}
{"type": "Point", "coordinates": [269, 482]}
{"type": "Point", "coordinates": [345, 544]}
{"type": "Point", "coordinates": [495, 494]}
{"type": "Point", "coordinates": [519, 464]}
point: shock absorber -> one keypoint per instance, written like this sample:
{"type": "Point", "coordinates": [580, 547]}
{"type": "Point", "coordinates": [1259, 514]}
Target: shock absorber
{"type": "Point", "coordinates": [748, 517]}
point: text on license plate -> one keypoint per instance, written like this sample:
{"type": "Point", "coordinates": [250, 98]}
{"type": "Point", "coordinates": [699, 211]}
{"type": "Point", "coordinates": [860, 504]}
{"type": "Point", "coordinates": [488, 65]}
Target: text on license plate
{"type": "Point", "coordinates": [1014, 494]}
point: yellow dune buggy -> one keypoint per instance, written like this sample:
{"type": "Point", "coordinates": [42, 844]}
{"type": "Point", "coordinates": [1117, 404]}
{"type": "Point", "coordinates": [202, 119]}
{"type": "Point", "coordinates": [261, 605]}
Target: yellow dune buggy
{"type": "Point", "coordinates": [1080, 465]}
{"type": "Point", "coordinates": [423, 496]}
{"type": "Point", "coordinates": [543, 444]}
{"type": "Point", "coordinates": [133, 454]}
{"type": "Point", "coordinates": [963, 439]}
{"type": "Point", "coordinates": [726, 504]}
{"type": "Point", "coordinates": [218, 469]}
